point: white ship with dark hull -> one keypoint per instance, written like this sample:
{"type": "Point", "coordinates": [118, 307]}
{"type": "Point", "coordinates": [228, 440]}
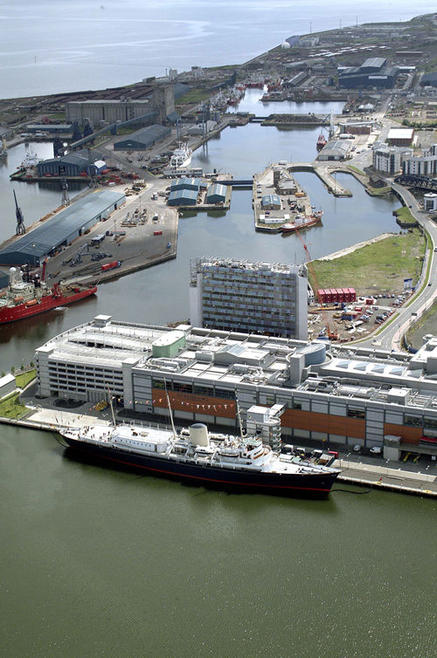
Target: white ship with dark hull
{"type": "Point", "coordinates": [181, 157]}
{"type": "Point", "coordinates": [196, 456]}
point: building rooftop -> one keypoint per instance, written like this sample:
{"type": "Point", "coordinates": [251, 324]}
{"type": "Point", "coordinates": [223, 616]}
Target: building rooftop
{"type": "Point", "coordinates": [235, 265]}
{"type": "Point", "coordinates": [53, 232]}
{"type": "Point", "coordinates": [225, 358]}
{"type": "Point", "coordinates": [400, 133]}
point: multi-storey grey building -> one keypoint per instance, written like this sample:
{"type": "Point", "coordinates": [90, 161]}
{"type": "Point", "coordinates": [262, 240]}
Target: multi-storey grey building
{"type": "Point", "coordinates": [260, 298]}
{"type": "Point", "coordinates": [423, 165]}
{"type": "Point", "coordinates": [389, 159]}
{"type": "Point", "coordinates": [340, 394]}
{"type": "Point", "coordinates": [160, 101]}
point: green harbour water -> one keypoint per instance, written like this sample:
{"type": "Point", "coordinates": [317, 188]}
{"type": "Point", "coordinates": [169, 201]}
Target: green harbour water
{"type": "Point", "coordinates": [98, 562]}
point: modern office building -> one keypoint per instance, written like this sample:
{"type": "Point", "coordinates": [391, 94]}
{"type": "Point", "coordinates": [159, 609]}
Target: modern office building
{"type": "Point", "coordinates": [430, 202]}
{"type": "Point", "coordinates": [342, 395]}
{"type": "Point", "coordinates": [261, 298]}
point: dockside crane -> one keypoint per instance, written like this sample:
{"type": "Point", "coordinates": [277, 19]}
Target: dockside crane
{"type": "Point", "coordinates": [20, 229]}
{"type": "Point", "coordinates": [329, 332]}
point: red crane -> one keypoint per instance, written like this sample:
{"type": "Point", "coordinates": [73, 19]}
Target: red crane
{"type": "Point", "coordinates": [329, 332]}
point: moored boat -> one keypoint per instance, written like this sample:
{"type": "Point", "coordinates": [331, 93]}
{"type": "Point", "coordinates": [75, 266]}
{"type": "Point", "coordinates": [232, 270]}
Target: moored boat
{"type": "Point", "coordinates": [181, 156]}
{"type": "Point", "coordinates": [194, 455]}
{"type": "Point", "coordinates": [302, 222]}
{"type": "Point", "coordinates": [321, 142]}
{"type": "Point", "coordinates": [27, 296]}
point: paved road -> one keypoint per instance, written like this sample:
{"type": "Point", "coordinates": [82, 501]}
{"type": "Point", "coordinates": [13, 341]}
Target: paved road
{"type": "Point", "coordinates": [391, 335]}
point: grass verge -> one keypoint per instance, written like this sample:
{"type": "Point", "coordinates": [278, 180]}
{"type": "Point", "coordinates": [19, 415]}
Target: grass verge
{"type": "Point", "coordinates": [405, 216]}
{"type": "Point", "coordinates": [378, 267]}
{"type": "Point", "coordinates": [24, 378]}
{"type": "Point", "coordinates": [426, 324]}
{"type": "Point", "coordinates": [11, 407]}
{"type": "Point", "coordinates": [194, 96]}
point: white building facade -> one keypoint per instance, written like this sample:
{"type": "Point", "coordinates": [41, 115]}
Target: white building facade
{"type": "Point", "coordinates": [260, 298]}
{"type": "Point", "coordinates": [389, 159]}
{"type": "Point", "coordinates": [424, 165]}
{"type": "Point", "coordinates": [343, 395]}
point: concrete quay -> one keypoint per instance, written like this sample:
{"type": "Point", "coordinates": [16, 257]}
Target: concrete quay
{"type": "Point", "coordinates": [295, 204]}
{"type": "Point", "coordinates": [325, 173]}
{"type": "Point", "coordinates": [395, 479]}
{"type": "Point", "coordinates": [388, 478]}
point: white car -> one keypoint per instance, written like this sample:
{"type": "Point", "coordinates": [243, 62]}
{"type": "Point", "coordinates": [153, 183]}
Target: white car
{"type": "Point", "coordinates": [375, 450]}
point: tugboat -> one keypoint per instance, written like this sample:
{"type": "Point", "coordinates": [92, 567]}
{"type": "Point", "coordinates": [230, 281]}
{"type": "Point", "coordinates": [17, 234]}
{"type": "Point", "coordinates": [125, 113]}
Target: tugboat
{"type": "Point", "coordinates": [321, 142]}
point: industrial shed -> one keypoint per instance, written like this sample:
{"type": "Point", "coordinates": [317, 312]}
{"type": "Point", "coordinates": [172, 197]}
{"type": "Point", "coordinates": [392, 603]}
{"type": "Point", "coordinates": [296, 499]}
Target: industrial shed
{"type": "Point", "coordinates": [183, 197]}
{"type": "Point", "coordinates": [187, 184]}
{"type": "Point", "coordinates": [271, 202]}
{"type": "Point", "coordinates": [216, 193]}
{"type": "Point", "coordinates": [429, 79]}
{"type": "Point", "coordinates": [62, 229]}
{"type": "Point", "coordinates": [400, 136]}
{"type": "Point", "coordinates": [142, 139]}
{"type": "Point", "coordinates": [336, 150]}
{"type": "Point", "coordinates": [72, 164]}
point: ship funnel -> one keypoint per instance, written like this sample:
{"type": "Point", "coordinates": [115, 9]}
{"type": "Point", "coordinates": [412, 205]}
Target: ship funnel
{"type": "Point", "coordinates": [199, 435]}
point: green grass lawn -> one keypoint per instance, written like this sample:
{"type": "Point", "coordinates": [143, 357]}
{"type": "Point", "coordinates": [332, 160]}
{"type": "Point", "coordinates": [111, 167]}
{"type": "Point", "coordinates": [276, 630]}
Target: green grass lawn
{"type": "Point", "coordinates": [11, 407]}
{"type": "Point", "coordinates": [194, 96]}
{"type": "Point", "coordinates": [381, 266]}
{"type": "Point", "coordinates": [426, 324]}
{"type": "Point", "coordinates": [405, 215]}
{"type": "Point", "coordinates": [24, 378]}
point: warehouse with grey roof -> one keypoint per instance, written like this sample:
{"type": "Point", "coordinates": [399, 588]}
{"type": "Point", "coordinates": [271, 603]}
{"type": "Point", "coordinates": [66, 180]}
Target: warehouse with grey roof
{"type": "Point", "coordinates": [61, 229]}
{"type": "Point", "coordinates": [142, 139]}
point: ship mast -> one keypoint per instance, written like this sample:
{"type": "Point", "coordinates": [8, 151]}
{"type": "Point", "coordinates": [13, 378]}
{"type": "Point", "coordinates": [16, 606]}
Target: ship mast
{"type": "Point", "coordinates": [112, 408]}
{"type": "Point", "coordinates": [170, 410]}
{"type": "Point", "coordinates": [240, 425]}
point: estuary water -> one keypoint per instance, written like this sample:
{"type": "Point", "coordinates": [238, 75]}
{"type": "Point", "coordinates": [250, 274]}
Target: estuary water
{"type": "Point", "coordinates": [68, 45]}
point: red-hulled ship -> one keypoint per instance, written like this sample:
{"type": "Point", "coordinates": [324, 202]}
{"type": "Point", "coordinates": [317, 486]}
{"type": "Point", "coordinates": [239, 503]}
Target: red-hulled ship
{"type": "Point", "coordinates": [303, 222]}
{"type": "Point", "coordinates": [27, 295]}
{"type": "Point", "coordinates": [321, 142]}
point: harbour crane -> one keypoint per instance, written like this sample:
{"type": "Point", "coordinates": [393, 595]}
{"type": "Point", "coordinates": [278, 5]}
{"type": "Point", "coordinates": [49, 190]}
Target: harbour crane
{"type": "Point", "coordinates": [21, 229]}
{"type": "Point", "coordinates": [332, 335]}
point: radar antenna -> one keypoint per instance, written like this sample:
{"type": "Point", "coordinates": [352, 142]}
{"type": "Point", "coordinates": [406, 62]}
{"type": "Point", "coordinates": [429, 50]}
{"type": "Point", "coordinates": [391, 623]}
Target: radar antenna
{"type": "Point", "coordinates": [21, 229]}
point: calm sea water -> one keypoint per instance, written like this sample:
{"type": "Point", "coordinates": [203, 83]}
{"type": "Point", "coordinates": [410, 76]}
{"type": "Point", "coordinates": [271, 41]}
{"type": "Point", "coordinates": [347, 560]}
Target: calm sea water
{"type": "Point", "coordinates": [97, 562]}
{"type": "Point", "coordinates": [67, 45]}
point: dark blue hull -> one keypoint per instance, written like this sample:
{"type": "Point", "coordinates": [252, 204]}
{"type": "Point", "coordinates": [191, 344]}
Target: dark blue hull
{"type": "Point", "coordinates": [285, 484]}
